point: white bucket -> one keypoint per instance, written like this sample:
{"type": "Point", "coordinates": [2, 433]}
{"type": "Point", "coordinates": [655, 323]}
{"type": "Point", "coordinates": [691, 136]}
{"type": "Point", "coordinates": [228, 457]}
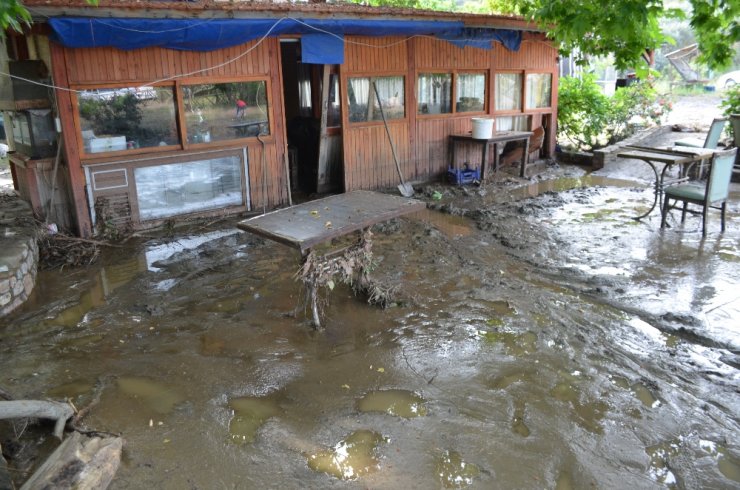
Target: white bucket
{"type": "Point", "coordinates": [482, 128]}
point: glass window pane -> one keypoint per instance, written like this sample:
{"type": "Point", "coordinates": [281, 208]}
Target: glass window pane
{"type": "Point", "coordinates": [471, 92]}
{"type": "Point", "coordinates": [363, 105]}
{"type": "Point", "coordinates": [539, 87]}
{"type": "Point", "coordinates": [508, 91]}
{"type": "Point", "coordinates": [333, 118]}
{"type": "Point", "coordinates": [127, 118]}
{"type": "Point", "coordinates": [435, 93]}
{"type": "Point", "coordinates": [181, 188]}
{"type": "Point", "coordinates": [225, 111]}
{"type": "Point", "coordinates": [303, 72]}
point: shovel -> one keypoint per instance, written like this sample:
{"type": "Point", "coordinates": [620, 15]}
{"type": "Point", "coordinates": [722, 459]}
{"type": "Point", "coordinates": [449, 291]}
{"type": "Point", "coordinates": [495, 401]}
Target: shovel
{"type": "Point", "coordinates": [406, 190]}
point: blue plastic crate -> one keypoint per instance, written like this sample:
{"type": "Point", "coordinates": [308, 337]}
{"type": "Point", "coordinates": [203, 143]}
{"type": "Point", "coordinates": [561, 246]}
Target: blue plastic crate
{"type": "Point", "coordinates": [463, 176]}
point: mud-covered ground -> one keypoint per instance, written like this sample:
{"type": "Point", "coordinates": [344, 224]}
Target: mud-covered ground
{"type": "Point", "coordinates": [540, 338]}
{"type": "Point", "coordinates": [537, 342]}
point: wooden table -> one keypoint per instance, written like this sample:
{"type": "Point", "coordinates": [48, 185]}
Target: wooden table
{"type": "Point", "coordinates": [309, 224]}
{"type": "Point", "coordinates": [496, 139]}
{"type": "Point", "coordinates": [668, 157]}
{"type": "Point", "coordinates": [306, 225]}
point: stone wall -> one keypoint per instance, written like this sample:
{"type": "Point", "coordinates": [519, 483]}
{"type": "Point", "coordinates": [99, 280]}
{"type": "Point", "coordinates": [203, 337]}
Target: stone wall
{"type": "Point", "coordinates": [19, 253]}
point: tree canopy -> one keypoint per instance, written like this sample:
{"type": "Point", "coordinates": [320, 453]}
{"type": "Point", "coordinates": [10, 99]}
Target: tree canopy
{"type": "Point", "coordinates": [623, 28]}
{"type": "Point", "coordinates": [626, 28]}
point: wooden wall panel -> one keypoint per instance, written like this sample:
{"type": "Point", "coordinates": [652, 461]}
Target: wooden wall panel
{"type": "Point", "coordinates": [110, 65]}
{"type": "Point", "coordinates": [375, 55]}
{"type": "Point", "coordinates": [432, 146]}
{"type": "Point", "coordinates": [368, 159]}
{"type": "Point", "coordinates": [440, 55]}
{"type": "Point", "coordinates": [533, 55]}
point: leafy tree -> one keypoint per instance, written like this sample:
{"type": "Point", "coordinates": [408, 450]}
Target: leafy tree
{"type": "Point", "coordinates": [13, 15]}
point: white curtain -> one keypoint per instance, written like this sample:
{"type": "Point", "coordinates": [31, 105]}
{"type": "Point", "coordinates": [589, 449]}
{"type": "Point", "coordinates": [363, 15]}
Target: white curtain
{"type": "Point", "coordinates": [508, 91]}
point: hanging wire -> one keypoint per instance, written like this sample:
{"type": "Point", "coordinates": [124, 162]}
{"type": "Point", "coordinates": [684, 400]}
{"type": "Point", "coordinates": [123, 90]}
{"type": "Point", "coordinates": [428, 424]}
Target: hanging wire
{"type": "Point", "coordinates": [231, 60]}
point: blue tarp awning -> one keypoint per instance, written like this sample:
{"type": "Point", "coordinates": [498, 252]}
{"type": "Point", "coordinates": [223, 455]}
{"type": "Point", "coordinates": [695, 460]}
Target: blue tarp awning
{"type": "Point", "coordinates": [322, 40]}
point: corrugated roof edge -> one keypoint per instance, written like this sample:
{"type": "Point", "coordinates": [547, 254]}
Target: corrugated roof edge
{"type": "Point", "coordinates": [259, 9]}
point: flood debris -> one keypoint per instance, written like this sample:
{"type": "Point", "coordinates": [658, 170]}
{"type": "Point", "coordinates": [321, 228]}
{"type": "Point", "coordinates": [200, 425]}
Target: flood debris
{"type": "Point", "coordinates": [350, 266]}
{"type": "Point", "coordinates": [80, 462]}
{"type": "Point", "coordinates": [84, 460]}
{"type": "Point", "coordinates": [60, 412]}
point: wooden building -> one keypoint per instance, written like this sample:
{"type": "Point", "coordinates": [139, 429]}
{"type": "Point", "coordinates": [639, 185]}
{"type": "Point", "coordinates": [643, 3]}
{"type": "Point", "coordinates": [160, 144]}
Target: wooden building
{"type": "Point", "coordinates": [131, 113]}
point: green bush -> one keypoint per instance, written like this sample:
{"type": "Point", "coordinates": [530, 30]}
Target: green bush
{"type": "Point", "coordinates": [588, 119]}
{"type": "Point", "coordinates": [731, 105]}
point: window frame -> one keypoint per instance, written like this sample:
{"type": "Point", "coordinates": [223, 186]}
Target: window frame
{"type": "Point", "coordinates": [525, 94]}
{"type": "Point", "coordinates": [217, 80]}
{"type": "Point", "coordinates": [453, 96]}
{"type": "Point", "coordinates": [84, 156]}
{"type": "Point", "coordinates": [522, 93]}
{"type": "Point", "coordinates": [344, 83]}
{"type": "Point", "coordinates": [180, 117]}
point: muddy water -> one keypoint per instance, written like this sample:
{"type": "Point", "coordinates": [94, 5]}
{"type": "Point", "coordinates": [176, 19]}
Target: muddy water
{"type": "Point", "coordinates": [551, 342]}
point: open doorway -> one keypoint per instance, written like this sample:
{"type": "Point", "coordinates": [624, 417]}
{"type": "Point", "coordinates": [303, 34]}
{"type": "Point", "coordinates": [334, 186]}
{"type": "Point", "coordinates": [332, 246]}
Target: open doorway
{"type": "Point", "coordinates": [313, 122]}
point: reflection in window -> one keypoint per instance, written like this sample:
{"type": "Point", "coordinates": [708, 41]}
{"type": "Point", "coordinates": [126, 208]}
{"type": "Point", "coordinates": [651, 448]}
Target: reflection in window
{"type": "Point", "coordinates": [333, 118]}
{"type": "Point", "coordinates": [471, 92]}
{"type": "Point", "coordinates": [539, 87]}
{"type": "Point", "coordinates": [508, 91]}
{"type": "Point", "coordinates": [363, 105]}
{"type": "Point", "coordinates": [181, 188]}
{"type": "Point", "coordinates": [512, 123]}
{"type": "Point", "coordinates": [435, 93]}
{"type": "Point", "coordinates": [305, 105]}
{"type": "Point", "coordinates": [225, 111]}
{"type": "Point", "coordinates": [127, 118]}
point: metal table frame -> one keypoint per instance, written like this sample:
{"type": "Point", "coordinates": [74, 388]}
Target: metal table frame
{"type": "Point", "coordinates": [495, 140]}
{"type": "Point", "coordinates": [668, 157]}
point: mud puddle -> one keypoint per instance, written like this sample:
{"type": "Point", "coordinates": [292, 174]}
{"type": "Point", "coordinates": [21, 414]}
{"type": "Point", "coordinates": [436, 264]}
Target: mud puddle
{"type": "Point", "coordinates": [549, 342]}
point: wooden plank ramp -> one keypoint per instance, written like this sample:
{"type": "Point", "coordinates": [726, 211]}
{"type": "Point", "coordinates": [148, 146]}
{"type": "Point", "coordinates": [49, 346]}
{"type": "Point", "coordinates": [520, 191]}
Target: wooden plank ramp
{"type": "Point", "coordinates": [305, 225]}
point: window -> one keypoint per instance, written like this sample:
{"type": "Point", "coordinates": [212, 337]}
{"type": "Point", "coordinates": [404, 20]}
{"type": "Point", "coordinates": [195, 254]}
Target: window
{"type": "Point", "coordinates": [471, 92]}
{"type": "Point", "coordinates": [127, 118]}
{"type": "Point", "coordinates": [225, 111]}
{"type": "Point", "coordinates": [508, 91]}
{"type": "Point", "coordinates": [539, 88]}
{"type": "Point", "coordinates": [182, 188]}
{"type": "Point", "coordinates": [434, 93]}
{"type": "Point", "coordinates": [363, 104]}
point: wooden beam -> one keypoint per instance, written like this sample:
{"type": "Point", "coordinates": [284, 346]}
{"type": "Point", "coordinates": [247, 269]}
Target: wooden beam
{"type": "Point", "coordinates": [69, 133]}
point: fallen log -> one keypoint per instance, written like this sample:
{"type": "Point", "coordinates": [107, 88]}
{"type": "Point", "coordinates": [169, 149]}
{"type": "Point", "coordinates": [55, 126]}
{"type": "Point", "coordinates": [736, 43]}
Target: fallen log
{"type": "Point", "coordinates": [80, 462]}
{"type": "Point", "coordinates": [58, 411]}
